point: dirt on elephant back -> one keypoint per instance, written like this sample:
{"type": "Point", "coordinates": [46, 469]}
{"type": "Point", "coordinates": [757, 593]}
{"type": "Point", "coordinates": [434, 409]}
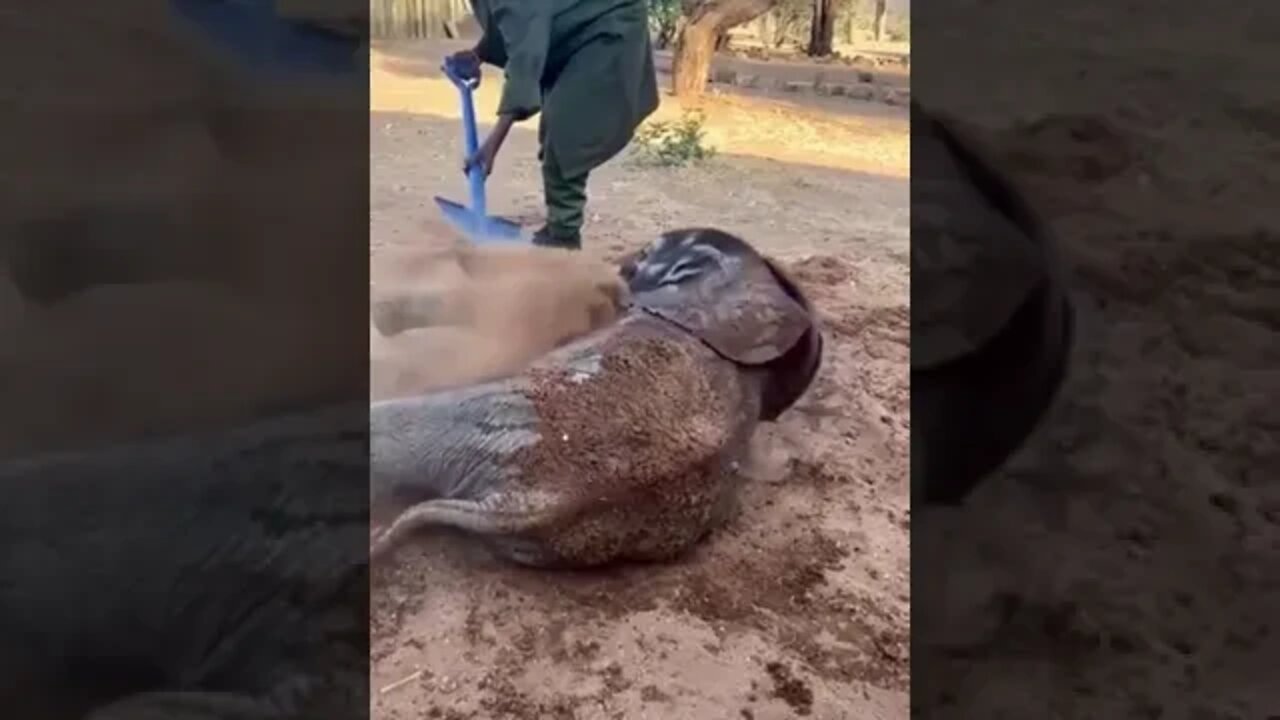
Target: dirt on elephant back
{"type": "Point", "coordinates": [798, 607]}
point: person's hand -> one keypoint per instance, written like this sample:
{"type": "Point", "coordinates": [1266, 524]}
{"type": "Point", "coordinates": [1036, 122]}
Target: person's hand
{"type": "Point", "coordinates": [484, 157]}
{"type": "Point", "coordinates": [488, 151]}
{"type": "Point", "coordinates": [466, 63]}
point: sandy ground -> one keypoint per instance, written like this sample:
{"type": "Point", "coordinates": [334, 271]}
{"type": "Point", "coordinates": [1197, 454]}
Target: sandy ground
{"type": "Point", "coordinates": [1124, 564]}
{"type": "Point", "coordinates": [108, 140]}
{"type": "Point", "coordinates": [800, 605]}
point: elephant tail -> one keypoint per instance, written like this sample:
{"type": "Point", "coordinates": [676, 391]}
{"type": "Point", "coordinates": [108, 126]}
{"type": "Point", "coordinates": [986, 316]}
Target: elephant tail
{"type": "Point", "coordinates": [482, 517]}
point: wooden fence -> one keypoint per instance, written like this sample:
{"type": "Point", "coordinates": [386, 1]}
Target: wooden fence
{"type": "Point", "coordinates": [417, 18]}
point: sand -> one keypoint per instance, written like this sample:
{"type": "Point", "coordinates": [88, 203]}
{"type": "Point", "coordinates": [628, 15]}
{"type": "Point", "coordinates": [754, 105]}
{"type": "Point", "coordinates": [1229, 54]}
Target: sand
{"type": "Point", "coordinates": [456, 315]}
{"type": "Point", "coordinates": [1123, 564]}
{"type": "Point", "coordinates": [800, 605]}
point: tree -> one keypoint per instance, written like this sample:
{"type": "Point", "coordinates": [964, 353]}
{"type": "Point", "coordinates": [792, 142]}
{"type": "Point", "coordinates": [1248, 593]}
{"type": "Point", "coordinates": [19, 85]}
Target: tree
{"type": "Point", "coordinates": [705, 22]}
{"type": "Point", "coordinates": [881, 16]}
{"type": "Point", "coordinates": [822, 28]}
{"type": "Point", "coordinates": [664, 21]}
{"type": "Point", "coordinates": [786, 17]}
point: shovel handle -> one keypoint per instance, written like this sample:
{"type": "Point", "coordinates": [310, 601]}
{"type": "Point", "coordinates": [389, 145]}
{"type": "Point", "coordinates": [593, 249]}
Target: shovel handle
{"type": "Point", "coordinates": [475, 175]}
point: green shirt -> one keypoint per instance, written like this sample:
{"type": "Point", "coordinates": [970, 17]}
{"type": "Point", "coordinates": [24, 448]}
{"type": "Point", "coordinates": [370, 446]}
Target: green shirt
{"type": "Point", "coordinates": [586, 65]}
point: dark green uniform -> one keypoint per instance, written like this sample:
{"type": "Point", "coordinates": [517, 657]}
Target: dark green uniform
{"type": "Point", "coordinates": [587, 66]}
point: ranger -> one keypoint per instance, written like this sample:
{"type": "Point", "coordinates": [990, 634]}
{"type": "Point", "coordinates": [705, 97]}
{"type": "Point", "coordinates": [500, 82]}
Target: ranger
{"type": "Point", "coordinates": [587, 67]}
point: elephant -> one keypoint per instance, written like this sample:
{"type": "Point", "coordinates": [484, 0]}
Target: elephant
{"type": "Point", "coordinates": [219, 575]}
{"type": "Point", "coordinates": [622, 445]}
{"type": "Point", "coordinates": [992, 323]}
{"type": "Point", "coordinates": [211, 575]}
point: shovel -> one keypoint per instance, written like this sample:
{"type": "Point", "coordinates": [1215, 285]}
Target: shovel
{"type": "Point", "coordinates": [473, 221]}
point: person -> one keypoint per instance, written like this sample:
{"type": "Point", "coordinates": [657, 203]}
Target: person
{"type": "Point", "coordinates": [586, 68]}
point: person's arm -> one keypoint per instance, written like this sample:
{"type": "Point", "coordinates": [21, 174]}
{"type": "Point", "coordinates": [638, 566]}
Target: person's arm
{"type": "Point", "coordinates": [488, 50]}
{"type": "Point", "coordinates": [525, 27]}
{"type": "Point", "coordinates": [500, 129]}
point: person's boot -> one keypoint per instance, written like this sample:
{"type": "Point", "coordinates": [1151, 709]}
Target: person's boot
{"type": "Point", "coordinates": [544, 237]}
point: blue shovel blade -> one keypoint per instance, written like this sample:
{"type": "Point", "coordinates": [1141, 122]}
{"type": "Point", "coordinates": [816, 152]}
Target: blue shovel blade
{"type": "Point", "coordinates": [480, 229]}
{"type": "Point", "coordinates": [250, 31]}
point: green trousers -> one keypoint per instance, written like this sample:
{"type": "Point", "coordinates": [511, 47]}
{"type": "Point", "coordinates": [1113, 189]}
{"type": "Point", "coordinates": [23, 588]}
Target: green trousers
{"type": "Point", "coordinates": [566, 197]}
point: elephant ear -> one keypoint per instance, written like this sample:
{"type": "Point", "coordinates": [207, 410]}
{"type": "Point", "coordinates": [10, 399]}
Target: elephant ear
{"type": "Point", "coordinates": [741, 304]}
{"type": "Point", "coordinates": [791, 374]}
{"type": "Point", "coordinates": [756, 316]}
{"type": "Point", "coordinates": [750, 320]}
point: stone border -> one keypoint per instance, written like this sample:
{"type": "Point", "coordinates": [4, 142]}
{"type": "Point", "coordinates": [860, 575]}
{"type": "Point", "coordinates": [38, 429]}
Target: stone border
{"type": "Point", "coordinates": [865, 90]}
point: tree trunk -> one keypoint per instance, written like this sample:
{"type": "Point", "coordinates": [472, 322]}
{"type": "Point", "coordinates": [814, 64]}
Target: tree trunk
{"type": "Point", "coordinates": [692, 61]}
{"type": "Point", "coordinates": [881, 16]}
{"type": "Point", "coordinates": [822, 29]}
{"type": "Point", "coordinates": [696, 45]}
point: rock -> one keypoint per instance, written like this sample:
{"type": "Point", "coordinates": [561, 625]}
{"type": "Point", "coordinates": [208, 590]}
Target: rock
{"type": "Point", "coordinates": [796, 86]}
{"type": "Point", "coordinates": [837, 90]}
{"type": "Point", "coordinates": [748, 81]}
{"type": "Point", "coordinates": [865, 77]}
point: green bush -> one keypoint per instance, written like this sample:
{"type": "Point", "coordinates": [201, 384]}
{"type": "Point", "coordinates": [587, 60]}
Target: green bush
{"type": "Point", "coordinates": [672, 143]}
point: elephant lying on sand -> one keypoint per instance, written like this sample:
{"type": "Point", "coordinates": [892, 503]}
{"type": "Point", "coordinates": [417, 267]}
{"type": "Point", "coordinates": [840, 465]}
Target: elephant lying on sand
{"type": "Point", "coordinates": [992, 321]}
{"type": "Point", "coordinates": [212, 576]}
{"type": "Point", "coordinates": [622, 445]}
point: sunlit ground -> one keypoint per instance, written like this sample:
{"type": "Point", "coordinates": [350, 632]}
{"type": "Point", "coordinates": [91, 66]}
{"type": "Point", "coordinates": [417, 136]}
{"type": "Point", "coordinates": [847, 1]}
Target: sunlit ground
{"type": "Point", "coordinates": [826, 192]}
{"type": "Point", "coordinates": [836, 133]}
